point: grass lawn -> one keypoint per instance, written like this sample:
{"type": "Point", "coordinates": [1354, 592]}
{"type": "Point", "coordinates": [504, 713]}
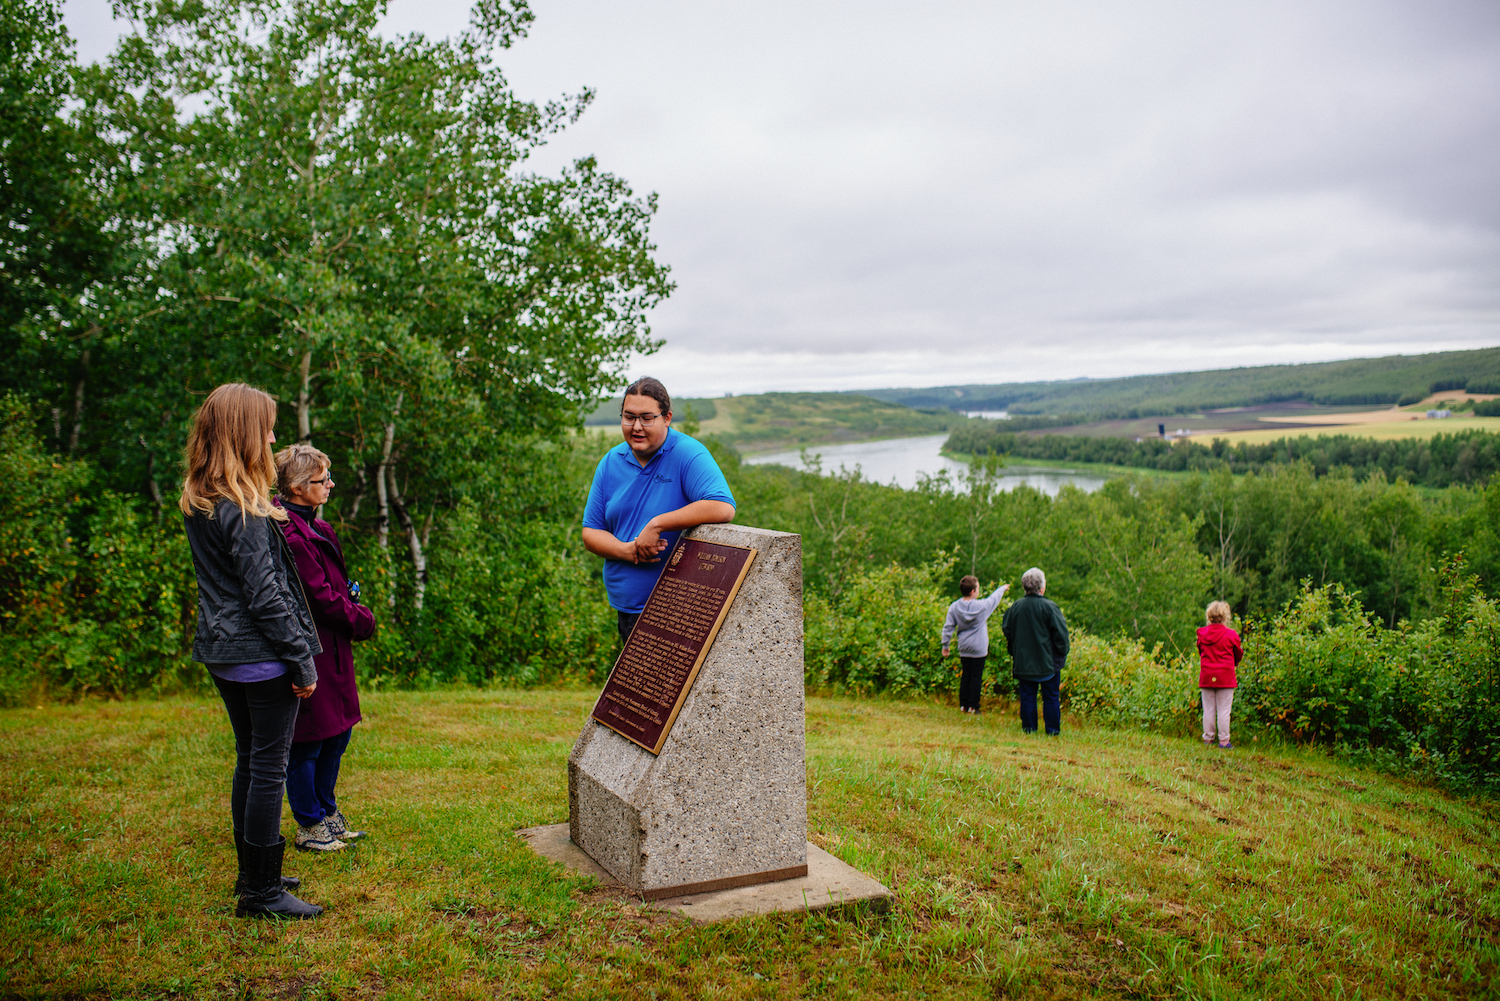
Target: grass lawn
{"type": "Point", "coordinates": [1101, 864]}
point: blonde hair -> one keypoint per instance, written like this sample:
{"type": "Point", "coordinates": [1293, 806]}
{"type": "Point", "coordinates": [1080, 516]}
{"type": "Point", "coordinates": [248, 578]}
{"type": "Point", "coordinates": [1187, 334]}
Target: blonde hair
{"type": "Point", "coordinates": [295, 465]}
{"type": "Point", "coordinates": [1219, 612]}
{"type": "Point", "coordinates": [228, 454]}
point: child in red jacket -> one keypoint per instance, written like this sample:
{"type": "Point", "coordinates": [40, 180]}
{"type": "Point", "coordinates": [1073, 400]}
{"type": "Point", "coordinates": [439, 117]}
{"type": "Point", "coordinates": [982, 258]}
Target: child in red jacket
{"type": "Point", "coordinates": [1219, 651]}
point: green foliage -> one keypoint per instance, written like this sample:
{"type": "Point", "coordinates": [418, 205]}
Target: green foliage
{"type": "Point", "coordinates": [523, 609]}
{"type": "Point", "coordinates": [1321, 671]}
{"type": "Point", "coordinates": [1466, 457]}
{"type": "Point", "coordinates": [767, 421]}
{"type": "Point", "coordinates": [289, 198]}
{"type": "Point", "coordinates": [882, 632]}
{"type": "Point", "coordinates": [105, 607]}
{"type": "Point", "coordinates": [1407, 378]}
{"type": "Point", "coordinates": [1121, 683]}
{"type": "Point", "coordinates": [1420, 699]}
{"type": "Point", "coordinates": [1128, 562]}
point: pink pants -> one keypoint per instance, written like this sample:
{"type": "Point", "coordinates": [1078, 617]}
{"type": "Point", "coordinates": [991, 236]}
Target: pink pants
{"type": "Point", "coordinates": [1216, 703]}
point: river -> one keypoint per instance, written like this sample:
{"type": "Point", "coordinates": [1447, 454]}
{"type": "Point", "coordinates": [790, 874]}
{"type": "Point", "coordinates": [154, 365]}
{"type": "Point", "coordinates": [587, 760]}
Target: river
{"type": "Point", "coordinates": [902, 460]}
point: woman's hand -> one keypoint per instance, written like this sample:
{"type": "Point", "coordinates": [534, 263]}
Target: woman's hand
{"type": "Point", "coordinates": [303, 693]}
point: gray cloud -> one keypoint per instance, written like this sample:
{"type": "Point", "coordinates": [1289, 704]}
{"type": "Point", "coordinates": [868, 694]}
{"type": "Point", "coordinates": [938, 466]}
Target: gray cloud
{"type": "Point", "coordinates": [868, 194]}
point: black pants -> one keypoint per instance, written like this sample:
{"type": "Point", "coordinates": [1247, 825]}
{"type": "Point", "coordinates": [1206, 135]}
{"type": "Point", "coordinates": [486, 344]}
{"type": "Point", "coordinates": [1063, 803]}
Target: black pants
{"type": "Point", "coordinates": [972, 681]}
{"type": "Point", "coordinates": [625, 622]}
{"type": "Point", "coordinates": [263, 714]}
{"type": "Point", "coordinates": [1051, 709]}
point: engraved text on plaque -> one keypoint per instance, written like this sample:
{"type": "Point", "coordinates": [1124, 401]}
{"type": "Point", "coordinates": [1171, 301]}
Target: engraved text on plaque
{"type": "Point", "coordinates": [672, 637]}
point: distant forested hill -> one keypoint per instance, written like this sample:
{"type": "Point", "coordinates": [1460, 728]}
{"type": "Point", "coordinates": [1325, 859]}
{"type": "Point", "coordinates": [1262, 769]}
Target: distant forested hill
{"type": "Point", "coordinates": [1401, 379]}
{"type": "Point", "coordinates": [770, 421]}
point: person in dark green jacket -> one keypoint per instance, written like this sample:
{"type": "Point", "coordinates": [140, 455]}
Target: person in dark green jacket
{"type": "Point", "coordinates": [1037, 636]}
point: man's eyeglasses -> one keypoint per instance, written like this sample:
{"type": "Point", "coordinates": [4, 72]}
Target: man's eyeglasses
{"type": "Point", "coordinates": [646, 420]}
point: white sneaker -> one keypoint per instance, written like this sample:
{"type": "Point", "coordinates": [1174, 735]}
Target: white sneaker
{"type": "Point", "coordinates": [318, 838]}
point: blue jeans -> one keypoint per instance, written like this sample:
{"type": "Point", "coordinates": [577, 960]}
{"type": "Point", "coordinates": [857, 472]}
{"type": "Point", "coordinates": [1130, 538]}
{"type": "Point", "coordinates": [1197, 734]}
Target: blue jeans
{"type": "Point", "coordinates": [263, 714]}
{"type": "Point", "coordinates": [311, 774]}
{"type": "Point", "coordinates": [1051, 709]}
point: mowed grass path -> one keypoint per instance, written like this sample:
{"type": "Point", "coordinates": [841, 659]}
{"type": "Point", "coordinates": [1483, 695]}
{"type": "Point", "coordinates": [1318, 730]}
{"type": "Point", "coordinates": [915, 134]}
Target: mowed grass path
{"type": "Point", "coordinates": [1102, 864]}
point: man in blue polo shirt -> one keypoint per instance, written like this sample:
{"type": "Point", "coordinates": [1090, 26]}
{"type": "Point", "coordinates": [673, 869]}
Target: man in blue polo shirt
{"type": "Point", "coordinates": [646, 490]}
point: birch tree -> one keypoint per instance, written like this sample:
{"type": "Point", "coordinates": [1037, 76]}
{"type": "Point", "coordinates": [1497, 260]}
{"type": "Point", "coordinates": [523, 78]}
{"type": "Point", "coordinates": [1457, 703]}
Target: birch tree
{"type": "Point", "coordinates": [346, 220]}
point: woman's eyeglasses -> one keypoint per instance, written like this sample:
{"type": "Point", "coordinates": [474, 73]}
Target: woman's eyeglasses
{"type": "Point", "coordinates": [326, 479]}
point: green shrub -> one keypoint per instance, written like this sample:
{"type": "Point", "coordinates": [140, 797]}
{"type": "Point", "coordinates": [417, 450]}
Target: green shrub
{"type": "Point", "coordinates": [108, 609]}
{"type": "Point", "coordinates": [522, 607]}
{"type": "Point", "coordinates": [1420, 699]}
{"type": "Point", "coordinates": [136, 591]}
{"type": "Point", "coordinates": [1322, 672]}
{"type": "Point", "coordinates": [883, 634]}
{"type": "Point", "coordinates": [1120, 683]}
{"type": "Point", "coordinates": [1446, 688]}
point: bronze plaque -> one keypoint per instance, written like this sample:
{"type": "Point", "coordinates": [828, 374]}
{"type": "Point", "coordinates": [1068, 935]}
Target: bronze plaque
{"type": "Point", "coordinates": [672, 637]}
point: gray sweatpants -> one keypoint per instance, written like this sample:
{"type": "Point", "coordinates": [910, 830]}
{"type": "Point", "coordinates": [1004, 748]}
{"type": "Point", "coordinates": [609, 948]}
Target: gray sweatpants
{"type": "Point", "coordinates": [1216, 705]}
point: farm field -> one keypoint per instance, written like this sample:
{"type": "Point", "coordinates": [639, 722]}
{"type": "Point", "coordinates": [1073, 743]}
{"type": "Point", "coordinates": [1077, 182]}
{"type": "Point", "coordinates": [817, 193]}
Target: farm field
{"type": "Point", "coordinates": [1101, 864]}
{"type": "Point", "coordinates": [1239, 419]}
{"type": "Point", "coordinates": [1403, 427]}
{"type": "Point", "coordinates": [1270, 422]}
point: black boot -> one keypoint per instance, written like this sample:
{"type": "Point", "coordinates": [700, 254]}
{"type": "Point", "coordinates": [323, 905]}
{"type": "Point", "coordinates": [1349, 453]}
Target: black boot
{"type": "Point", "coordinates": [263, 896]}
{"type": "Point", "coordinates": [287, 882]}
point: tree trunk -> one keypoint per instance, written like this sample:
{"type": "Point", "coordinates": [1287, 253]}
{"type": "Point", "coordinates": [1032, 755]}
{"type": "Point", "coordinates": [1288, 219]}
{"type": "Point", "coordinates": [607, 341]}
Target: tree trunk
{"type": "Point", "coordinates": [78, 404]}
{"type": "Point", "coordinates": [151, 485]}
{"type": "Point", "coordinates": [383, 522]}
{"type": "Point", "coordinates": [413, 540]}
{"type": "Point", "coordinates": [364, 488]}
{"type": "Point", "coordinates": [304, 407]}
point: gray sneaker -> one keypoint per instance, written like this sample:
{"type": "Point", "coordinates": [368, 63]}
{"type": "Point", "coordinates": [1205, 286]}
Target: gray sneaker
{"type": "Point", "coordinates": [318, 838]}
{"type": "Point", "coordinates": [339, 827]}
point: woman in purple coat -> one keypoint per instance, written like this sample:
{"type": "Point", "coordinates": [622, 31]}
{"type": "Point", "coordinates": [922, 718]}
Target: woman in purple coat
{"type": "Point", "coordinates": [327, 718]}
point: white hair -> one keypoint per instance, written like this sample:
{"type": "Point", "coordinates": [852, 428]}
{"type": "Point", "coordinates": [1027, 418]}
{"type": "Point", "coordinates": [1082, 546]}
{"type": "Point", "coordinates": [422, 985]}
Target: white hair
{"type": "Point", "coordinates": [1033, 581]}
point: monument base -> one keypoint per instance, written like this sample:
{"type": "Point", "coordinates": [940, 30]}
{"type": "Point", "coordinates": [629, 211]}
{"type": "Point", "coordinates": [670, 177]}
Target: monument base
{"type": "Point", "coordinates": [828, 883]}
{"type": "Point", "coordinates": [727, 883]}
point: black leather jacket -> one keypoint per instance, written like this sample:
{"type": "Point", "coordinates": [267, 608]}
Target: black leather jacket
{"type": "Point", "coordinates": [251, 607]}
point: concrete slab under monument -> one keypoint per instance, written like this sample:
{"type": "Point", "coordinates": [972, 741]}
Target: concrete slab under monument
{"type": "Point", "coordinates": [829, 884]}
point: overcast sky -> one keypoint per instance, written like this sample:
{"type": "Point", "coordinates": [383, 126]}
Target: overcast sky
{"type": "Point", "coordinates": [867, 194]}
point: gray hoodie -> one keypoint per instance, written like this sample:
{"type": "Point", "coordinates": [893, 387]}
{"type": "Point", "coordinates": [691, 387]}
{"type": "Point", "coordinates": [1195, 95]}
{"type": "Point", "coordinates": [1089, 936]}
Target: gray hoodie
{"type": "Point", "coordinates": [967, 617]}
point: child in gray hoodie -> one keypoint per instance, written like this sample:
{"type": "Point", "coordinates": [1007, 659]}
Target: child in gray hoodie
{"type": "Point", "coordinates": [968, 617]}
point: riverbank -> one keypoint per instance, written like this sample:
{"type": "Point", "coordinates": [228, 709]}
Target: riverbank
{"type": "Point", "coordinates": [1104, 469]}
{"type": "Point", "coordinates": [905, 462]}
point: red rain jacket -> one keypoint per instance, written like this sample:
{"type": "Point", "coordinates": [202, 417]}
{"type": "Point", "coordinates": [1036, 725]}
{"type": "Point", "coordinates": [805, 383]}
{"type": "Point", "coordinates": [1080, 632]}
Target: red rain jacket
{"type": "Point", "coordinates": [1219, 651]}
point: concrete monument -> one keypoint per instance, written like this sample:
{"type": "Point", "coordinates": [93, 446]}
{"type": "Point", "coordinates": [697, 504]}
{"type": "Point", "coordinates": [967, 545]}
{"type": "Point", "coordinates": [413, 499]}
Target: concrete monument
{"type": "Point", "coordinates": [723, 801]}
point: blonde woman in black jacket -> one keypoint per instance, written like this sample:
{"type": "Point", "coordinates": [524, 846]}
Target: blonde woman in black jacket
{"type": "Point", "coordinates": [255, 632]}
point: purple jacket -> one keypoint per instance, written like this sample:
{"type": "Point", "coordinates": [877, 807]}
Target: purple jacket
{"type": "Point", "coordinates": [334, 706]}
